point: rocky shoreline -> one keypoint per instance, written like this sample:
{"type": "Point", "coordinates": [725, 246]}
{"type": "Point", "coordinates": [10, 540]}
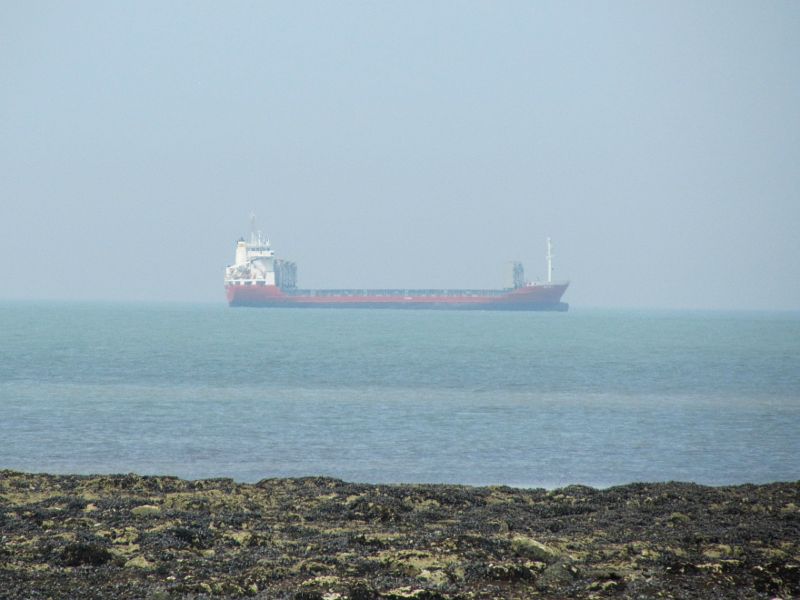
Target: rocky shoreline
{"type": "Point", "coordinates": [128, 536]}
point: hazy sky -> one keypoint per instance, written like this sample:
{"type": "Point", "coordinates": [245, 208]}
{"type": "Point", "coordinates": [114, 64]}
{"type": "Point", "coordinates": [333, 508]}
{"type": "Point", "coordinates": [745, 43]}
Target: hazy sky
{"type": "Point", "coordinates": [403, 144]}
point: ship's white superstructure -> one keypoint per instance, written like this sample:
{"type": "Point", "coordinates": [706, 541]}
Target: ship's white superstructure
{"type": "Point", "coordinates": [254, 264]}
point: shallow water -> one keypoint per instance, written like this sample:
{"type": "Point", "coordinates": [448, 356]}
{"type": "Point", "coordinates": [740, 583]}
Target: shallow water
{"type": "Point", "coordinates": [531, 399]}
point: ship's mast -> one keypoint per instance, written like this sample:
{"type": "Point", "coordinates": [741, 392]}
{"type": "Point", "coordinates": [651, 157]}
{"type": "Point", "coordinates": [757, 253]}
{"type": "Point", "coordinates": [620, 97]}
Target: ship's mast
{"type": "Point", "coordinates": [257, 237]}
{"type": "Point", "coordinates": [253, 228]}
{"type": "Point", "coordinates": [549, 261]}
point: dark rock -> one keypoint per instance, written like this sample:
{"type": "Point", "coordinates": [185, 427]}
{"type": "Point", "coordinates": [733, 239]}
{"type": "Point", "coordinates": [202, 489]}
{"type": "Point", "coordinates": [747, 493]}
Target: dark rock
{"type": "Point", "coordinates": [194, 537]}
{"type": "Point", "coordinates": [95, 555]}
{"type": "Point", "coordinates": [559, 574]}
{"type": "Point", "coordinates": [361, 591]}
{"type": "Point", "coordinates": [307, 595]}
{"type": "Point", "coordinates": [509, 572]}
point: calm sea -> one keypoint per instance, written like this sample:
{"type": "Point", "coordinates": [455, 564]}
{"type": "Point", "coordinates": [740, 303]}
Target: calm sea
{"type": "Point", "coordinates": [528, 399]}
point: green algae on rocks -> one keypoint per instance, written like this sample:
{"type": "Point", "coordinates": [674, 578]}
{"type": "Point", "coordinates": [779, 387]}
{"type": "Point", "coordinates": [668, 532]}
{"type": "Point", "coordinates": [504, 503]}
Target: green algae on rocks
{"type": "Point", "coordinates": [127, 536]}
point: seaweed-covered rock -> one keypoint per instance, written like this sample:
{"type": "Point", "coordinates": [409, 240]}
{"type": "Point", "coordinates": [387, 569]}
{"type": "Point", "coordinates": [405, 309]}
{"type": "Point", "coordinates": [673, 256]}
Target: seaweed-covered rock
{"type": "Point", "coordinates": [75, 555]}
{"type": "Point", "coordinates": [128, 536]}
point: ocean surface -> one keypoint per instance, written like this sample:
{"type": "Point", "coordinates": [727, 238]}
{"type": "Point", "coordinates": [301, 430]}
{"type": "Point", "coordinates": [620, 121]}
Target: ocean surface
{"type": "Point", "coordinates": [596, 397]}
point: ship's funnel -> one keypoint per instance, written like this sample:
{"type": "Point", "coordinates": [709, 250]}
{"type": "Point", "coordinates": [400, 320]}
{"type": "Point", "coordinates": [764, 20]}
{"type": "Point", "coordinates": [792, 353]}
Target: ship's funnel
{"type": "Point", "coordinates": [241, 253]}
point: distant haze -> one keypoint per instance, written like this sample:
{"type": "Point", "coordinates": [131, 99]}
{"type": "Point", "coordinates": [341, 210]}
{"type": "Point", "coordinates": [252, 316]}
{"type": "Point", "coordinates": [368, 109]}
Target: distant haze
{"type": "Point", "coordinates": [403, 144]}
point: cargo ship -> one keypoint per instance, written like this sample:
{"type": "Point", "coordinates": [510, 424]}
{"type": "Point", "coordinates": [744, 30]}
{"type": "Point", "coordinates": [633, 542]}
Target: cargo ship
{"type": "Point", "coordinates": [259, 278]}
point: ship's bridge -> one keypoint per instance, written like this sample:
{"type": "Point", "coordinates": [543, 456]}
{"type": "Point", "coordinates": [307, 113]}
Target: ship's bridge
{"type": "Point", "coordinates": [259, 247]}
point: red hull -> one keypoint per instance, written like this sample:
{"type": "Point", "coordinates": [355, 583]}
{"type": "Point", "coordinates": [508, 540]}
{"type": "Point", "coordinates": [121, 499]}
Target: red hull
{"type": "Point", "coordinates": [531, 297]}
